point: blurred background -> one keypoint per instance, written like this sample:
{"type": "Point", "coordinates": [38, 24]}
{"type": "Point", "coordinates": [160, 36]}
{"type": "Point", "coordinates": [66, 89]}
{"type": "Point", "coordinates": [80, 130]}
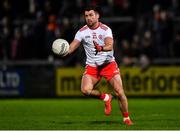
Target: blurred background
{"type": "Point", "coordinates": [147, 43]}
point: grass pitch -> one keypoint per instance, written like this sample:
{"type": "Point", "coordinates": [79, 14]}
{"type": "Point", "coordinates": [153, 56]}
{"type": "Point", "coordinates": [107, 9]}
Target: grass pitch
{"type": "Point", "coordinates": [65, 114]}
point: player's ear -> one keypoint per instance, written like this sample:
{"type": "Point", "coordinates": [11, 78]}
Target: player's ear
{"type": "Point", "coordinates": [97, 14]}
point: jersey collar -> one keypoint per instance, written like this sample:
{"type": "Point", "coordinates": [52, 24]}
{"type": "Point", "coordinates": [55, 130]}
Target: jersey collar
{"type": "Point", "coordinates": [99, 23]}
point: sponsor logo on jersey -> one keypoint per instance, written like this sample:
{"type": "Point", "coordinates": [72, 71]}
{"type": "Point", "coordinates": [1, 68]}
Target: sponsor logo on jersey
{"type": "Point", "coordinates": [94, 35]}
{"type": "Point", "coordinates": [87, 37]}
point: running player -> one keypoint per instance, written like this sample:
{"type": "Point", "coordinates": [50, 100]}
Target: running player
{"type": "Point", "coordinates": [97, 41]}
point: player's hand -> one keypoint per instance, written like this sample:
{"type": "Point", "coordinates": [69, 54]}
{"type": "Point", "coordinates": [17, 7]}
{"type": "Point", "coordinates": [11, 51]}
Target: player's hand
{"type": "Point", "coordinates": [65, 54]}
{"type": "Point", "coordinates": [97, 46]}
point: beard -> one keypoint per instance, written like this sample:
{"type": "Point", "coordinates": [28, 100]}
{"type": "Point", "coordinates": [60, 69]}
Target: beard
{"type": "Point", "coordinates": [91, 24]}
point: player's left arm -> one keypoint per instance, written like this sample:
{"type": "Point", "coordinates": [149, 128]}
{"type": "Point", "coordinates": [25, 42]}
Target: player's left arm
{"type": "Point", "coordinates": [108, 45]}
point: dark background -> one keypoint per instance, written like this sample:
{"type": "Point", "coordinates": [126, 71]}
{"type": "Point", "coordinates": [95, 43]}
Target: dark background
{"type": "Point", "coordinates": [144, 30]}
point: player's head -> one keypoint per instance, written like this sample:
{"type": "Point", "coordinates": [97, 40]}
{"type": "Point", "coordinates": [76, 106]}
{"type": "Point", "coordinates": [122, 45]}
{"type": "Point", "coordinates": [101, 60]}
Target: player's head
{"type": "Point", "coordinates": [91, 15]}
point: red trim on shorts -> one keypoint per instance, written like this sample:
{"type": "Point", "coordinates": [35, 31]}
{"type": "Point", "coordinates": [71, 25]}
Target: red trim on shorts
{"type": "Point", "coordinates": [107, 71]}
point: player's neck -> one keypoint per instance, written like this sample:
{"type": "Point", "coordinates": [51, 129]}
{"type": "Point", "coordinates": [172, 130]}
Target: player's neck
{"type": "Point", "coordinates": [95, 26]}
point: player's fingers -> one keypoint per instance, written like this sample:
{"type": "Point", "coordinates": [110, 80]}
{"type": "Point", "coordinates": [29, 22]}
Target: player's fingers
{"type": "Point", "coordinates": [65, 54]}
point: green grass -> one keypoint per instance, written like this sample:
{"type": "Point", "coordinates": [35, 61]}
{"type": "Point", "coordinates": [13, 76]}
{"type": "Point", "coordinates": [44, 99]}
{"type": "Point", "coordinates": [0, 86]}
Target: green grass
{"type": "Point", "coordinates": [61, 114]}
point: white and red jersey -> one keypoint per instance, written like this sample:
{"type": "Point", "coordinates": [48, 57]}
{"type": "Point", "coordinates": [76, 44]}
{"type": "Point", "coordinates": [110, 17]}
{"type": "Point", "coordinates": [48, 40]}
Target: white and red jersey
{"type": "Point", "coordinates": [87, 36]}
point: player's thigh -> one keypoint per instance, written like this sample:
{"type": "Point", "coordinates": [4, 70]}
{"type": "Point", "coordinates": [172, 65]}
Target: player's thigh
{"type": "Point", "coordinates": [116, 83]}
{"type": "Point", "coordinates": [88, 82]}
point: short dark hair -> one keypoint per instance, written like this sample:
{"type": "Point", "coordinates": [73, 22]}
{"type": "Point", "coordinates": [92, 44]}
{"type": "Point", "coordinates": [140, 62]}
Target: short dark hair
{"type": "Point", "coordinates": [95, 8]}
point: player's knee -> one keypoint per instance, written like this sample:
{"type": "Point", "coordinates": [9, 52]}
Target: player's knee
{"type": "Point", "coordinates": [85, 91]}
{"type": "Point", "coordinates": [120, 93]}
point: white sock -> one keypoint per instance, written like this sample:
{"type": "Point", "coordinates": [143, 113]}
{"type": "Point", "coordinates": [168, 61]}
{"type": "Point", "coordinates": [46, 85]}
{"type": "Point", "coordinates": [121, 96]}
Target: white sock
{"type": "Point", "coordinates": [106, 97]}
{"type": "Point", "coordinates": [125, 118]}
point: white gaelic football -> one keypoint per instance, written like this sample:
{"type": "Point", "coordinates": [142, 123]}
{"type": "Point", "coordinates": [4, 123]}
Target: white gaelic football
{"type": "Point", "coordinates": [60, 46]}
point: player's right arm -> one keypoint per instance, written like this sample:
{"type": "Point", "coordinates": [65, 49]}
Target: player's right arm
{"type": "Point", "coordinates": [75, 43]}
{"type": "Point", "coordinates": [72, 47]}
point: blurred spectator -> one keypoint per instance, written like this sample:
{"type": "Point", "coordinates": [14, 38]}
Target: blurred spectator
{"type": "Point", "coordinates": [135, 47]}
{"type": "Point", "coordinates": [146, 46]}
{"type": "Point", "coordinates": [27, 33]}
{"type": "Point", "coordinates": [6, 36]}
{"type": "Point", "coordinates": [147, 52]}
{"type": "Point", "coordinates": [67, 29]}
{"type": "Point", "coordinates": [126, 58]}
{"type": "Point", "coordinates": [48, 9]}
{"type": "Point", "coordinates": [149, 35]}
{"type": "Point", "coordinates": [162, 28]}
{"type": "Point", "coordinates": [51, 29]}
{"type": "Point", "coordinates": [32, 8]}
{"type": "Point", "coordinates": [39, 35]}
{"type": "Point", "coordinates": [122, 8]}
{"type": "Point", "coordinates": [17, 48]}
{"type": "Point", "coordinates": [144, 62]}
{"type": "Point", "coordinates": [175, 8]}
{"type": "Point", "coordinates": [6, 9]}
{"type": "Point", "coordinates": [176, 45]}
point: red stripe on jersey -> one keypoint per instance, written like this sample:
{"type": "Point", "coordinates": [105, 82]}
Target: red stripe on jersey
{"type": "Point", "coordinates": [104, 27]}
{"type": "Point", "coordinates": [83, 28]}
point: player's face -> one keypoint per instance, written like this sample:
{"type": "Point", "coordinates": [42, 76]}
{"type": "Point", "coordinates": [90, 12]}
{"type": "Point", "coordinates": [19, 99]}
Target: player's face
{"type": "Point", "coordinates": [91, 18]}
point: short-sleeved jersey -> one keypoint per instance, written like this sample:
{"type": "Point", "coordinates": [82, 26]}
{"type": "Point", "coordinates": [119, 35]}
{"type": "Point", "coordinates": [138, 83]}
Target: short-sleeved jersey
{"type": "Point", "coordinates": [86, 36]}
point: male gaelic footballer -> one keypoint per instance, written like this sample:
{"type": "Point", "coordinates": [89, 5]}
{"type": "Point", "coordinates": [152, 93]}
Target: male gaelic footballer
{"type": "Point", "coordinates": [97, 40]}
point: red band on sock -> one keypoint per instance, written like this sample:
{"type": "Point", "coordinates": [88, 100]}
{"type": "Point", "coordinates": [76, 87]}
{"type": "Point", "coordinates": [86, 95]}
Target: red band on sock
{"type": "Point", "coordinates": [125, 114]}
{"type": "Point", "coordinates": [103, 95]}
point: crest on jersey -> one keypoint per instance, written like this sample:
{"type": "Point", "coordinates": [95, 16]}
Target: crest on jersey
{"type": "Point", "coordinates": [100, 37]}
